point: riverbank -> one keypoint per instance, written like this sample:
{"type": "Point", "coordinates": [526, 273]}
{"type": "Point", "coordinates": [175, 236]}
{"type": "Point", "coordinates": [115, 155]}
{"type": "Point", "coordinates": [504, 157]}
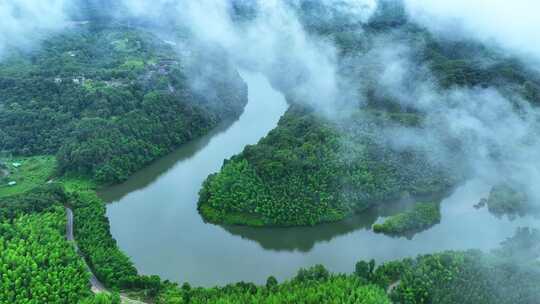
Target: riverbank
{"type": "Point", "coordinates": [153, 217]}
{"type": "Point", "coordinates": [311, 170]}
{"type": "Point", "coordinates": [368, 284]}
{"type": "Point", "coordinates": [155, 229]}
{"type": "Point", "coordinates": [92, 231]}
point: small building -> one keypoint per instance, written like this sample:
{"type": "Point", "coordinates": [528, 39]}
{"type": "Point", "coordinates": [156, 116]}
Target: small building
{"type": "Point", "coordinates": [58, 80]}
{"type": "Point", "coordinates": [16, 164]}
{"type": "Point", "coordinates": [11, 184]}
{"type": "Point", "coordinates": [79, 80]}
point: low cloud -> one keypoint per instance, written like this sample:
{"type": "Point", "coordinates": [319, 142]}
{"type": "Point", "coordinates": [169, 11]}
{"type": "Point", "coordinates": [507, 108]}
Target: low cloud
{"type": "Point", "coordinates": [514, 25]}
{"type": "Point", "coordinates": [499, 142]}
{"type": "Point", "coordinates": [24, 22]}
{"type": "Point", "coordinates": [496, 130]}
{"type": "Point", "coordinates": [273, 43]}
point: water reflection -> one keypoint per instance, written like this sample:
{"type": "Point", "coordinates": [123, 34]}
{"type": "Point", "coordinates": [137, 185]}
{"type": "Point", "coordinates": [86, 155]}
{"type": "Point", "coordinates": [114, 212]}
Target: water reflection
{"type": "Point", "coordinates": [303, 239]}
{"type": "Point", "coordinates": [152, 172]}
{"type": "Point", "coordinates": [154, 217]}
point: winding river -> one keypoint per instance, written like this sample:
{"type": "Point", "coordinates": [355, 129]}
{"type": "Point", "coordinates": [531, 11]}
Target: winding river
{"type": "Point", "coordinates": [154, 217]}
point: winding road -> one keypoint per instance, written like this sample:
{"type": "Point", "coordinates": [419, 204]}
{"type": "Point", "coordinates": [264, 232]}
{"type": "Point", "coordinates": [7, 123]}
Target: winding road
{"type": "Point", "coordinates": [97, 286]}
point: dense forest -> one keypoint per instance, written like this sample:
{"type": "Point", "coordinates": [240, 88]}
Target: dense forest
{"type": "Point", "coordinates": [313, 169]}
{"type": "Point", "coordinates": [97, 102]}
{"type": "Point", "coordinates": [306, 172]}
{"type": "Point", "coordinates": [108, 100]}
{"type": "Point", "coordinates": [506, 275]}
{"type": "Point", "coordinates": [38, 264]}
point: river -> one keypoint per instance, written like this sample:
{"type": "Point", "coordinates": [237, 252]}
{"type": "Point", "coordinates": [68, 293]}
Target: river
{"type": "Point", "coordinates": [154, 217]}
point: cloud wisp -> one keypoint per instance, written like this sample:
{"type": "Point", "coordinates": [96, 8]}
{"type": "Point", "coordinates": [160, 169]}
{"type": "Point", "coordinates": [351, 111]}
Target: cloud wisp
{"type": "Point", "coordinates": [498, 142]}
{"type": "Point", "coordinates": [24, 22]}
{"type": "Point", "coordinates": [513, 25]}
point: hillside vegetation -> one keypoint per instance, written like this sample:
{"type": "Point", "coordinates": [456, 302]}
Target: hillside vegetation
{"type": "Point", "coordinates": [306, 172]}
{"type": "Point", "coordinates": [101, 100]}
{"type": "Point", "coordinates": [108, 100]}
{"type": "Point", "coordinates": [38, 264]}
{"type": "Point", "coordinates": [316, 168]}
{"type": "Point", "coordinates": [506, 275]}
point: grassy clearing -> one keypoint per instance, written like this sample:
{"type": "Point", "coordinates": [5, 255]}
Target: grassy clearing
{"type": "Point", "coordinates": [33, 171]}
{"type": "Point", "coordinates": [80, 184]}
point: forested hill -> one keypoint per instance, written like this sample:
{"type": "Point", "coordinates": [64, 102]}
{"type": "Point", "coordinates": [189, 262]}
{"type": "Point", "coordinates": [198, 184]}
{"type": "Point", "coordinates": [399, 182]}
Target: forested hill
{"type": "Point", "coordinates": [314, 169]}
{"type": "Point", "coordinates": [108, 99]}
{"type": "Point", "coordinates": [107, 95]}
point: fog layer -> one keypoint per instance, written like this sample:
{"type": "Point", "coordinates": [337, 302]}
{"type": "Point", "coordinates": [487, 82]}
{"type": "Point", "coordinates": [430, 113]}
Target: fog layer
{"type": "Point", "coordinates": [498, 142]}
{"type": "Point", "coordinates": [24, 22]}
{"type": "Point", "coordinates": [511, 24]}
{"type": "Point", "coordinates": [495, 127]}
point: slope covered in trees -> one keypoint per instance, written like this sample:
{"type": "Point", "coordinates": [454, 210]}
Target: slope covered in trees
{"type": "Point", "coordinates": [316, 168]}
{"type": "Point", "coordinates": [39, 199]}
{"type": "Point", "coordinates": [109, 99]}
{"type": "Point", "coordinates": [92, 232]}
{"type": "Point", "coordinates": [509, 274]}
{"type": "Point", "coordinates": [306, 172]}
{"type": "Point", "coordinates": [37, 264]}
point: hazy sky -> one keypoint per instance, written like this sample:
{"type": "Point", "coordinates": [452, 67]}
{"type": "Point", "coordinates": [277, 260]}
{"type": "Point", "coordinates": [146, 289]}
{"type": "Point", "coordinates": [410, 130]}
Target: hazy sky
{"type": "Point", "coordinates": [22, 22]}
{"type": "Point", "coordinates": [514, 24]}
